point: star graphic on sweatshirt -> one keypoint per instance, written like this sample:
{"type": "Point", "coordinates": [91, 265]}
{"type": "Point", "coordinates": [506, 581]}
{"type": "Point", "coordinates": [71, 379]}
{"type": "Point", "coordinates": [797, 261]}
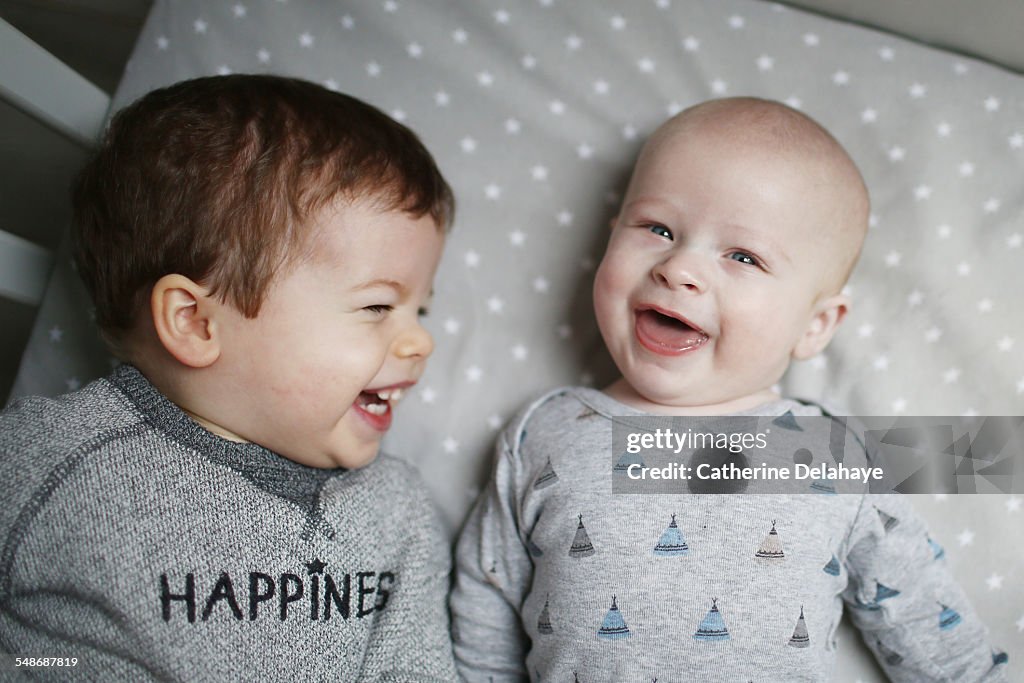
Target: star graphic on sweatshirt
{"type": "Point", "coordinates": [315, 567]}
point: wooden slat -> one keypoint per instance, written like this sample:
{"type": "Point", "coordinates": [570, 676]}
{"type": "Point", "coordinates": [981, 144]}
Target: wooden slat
{"type": "Point", "coordinates": [48, 90]}
{"type": "Point", "coordinates": [24, 269]}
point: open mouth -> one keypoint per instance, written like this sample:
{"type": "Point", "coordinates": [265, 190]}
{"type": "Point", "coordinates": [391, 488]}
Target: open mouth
{"type": "Point", "coordinates": [375, 406]}
{"type": "Point", "coordinates": [667, 334]}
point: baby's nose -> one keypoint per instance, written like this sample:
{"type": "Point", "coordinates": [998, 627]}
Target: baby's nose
{"type": "Point", "coordinates": [679, 271]}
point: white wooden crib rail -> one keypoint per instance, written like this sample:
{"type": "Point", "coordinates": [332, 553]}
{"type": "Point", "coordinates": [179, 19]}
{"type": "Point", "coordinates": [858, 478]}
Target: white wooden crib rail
{"type": "Point", "coordinates": [42, 86]}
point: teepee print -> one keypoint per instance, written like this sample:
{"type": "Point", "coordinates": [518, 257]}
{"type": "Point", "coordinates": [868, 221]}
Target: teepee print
{"type": "Point", "coordinates": [581, 545]}
{"type": "Point", "coordinates": [938, 552]}
{"type": "Point", "coordinates": [787, 421]}
{"type": "Point", "coordinates": [824, 487]}
{"type": "Point", "coordinates": [888, 521]}
{"type": "Point", "coordinates": [888, 656]}
{"type": "Point", "coordinates": [948, 618]}
{"type": "Point", "coordinates": [671, 543]}
{"type": "Point", "coordinates": [544, 620]}
{"type": "Point", "coordinates": [614, 626]}
{"type": "Point", "coordinates": [882, 592]}
{"type": "Point", "coordinates": [832, 567]}
{"type": "Point", "coordinates": [627, 459]}
{"type": "Point", "coordinates": [800, 636]}
{"type": "Point", "coordinates": [713, 626]}
{"type": "Point", "coordinates": [546, 478]}
{"type": "Point", "coordinates": [771, 548]}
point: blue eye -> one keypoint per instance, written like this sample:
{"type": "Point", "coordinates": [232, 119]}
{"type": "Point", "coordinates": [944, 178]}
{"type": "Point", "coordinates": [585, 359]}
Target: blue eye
{"type": "Point", "coordinates": [743, 257]}
{"type": "Point", "coordinates": [378, 308]}
{"type": "Point", "coordinates": [661, 231]}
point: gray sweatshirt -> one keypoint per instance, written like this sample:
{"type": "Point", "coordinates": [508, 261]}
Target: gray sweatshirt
{"type": "Point", "coordinates": [146, 547]}
{"type": "Point", "coordinates": [559, 579]}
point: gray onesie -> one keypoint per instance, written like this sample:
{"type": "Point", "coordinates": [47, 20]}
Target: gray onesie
{"type": "Point", "coordinates": [559, 579]}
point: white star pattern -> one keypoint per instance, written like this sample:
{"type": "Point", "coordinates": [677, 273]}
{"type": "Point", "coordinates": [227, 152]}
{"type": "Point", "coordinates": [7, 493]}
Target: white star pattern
{"type": "Point", "coordinates": [811, 39]}
{"type": "Point", "coordinates": [474, 373]}
{"type": "Point", "coordinates": [56, 334]}
{"type": "Point", "coordinates": [869, 116]}
{"type": "Point", "coordinates": [541, 285]}
{"type": "Point", "coordinates": [199, 26]}
{"type": "Point", "coordinates": [471, 259]}
{"type": "Point", "coordinates": [452, 326]}
{"type": "Point", "coordinates": [994, 581]}
{"type": "Point", "coordinates": [517, 238]}
{"type": "Point", "coordinates": [691, 44]}
{"type": "Point", "coordinates": [306, 39]}
{"type": "Point", "coordinates": [239, 11]}
{"type": "Point", "coordinates": [162, 43]}
{"type": "Point", "coordinates": [495, 304]}
{"type": "Point", "coordinates": [991, 104]}
{"type": "Point", "coordinates": [965, 538]}
{"type": "Point", "coordinates": [917, 90]}
{"type": "Point", "coordinates": [520, 352]}
{"type": "Point", "coordinates": [932, 335]}
{"type": "Point", "coordinates": [428, 395]}
{"type": "Point", "coordinates": [492, 192]}
{"type": "Point", "coordinates": [841, 78]}
{"type": "Point", "coordinates": [943, 130]}
{"type": "Point", "coordinates": [450, 445]}
{"type": "Point", "coordinates": [1013, 504]}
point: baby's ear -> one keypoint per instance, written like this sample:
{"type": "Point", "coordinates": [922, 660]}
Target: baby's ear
{"type": "Point", "coordinates": [828, 313]}
{"type": "Point", "coordinates": [184, 318]}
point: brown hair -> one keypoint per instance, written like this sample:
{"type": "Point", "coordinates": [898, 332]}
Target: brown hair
{"type": "Point", "coordinates": [215, 178]}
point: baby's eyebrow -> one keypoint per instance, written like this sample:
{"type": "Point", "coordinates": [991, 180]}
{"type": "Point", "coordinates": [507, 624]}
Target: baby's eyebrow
{"type": "Point", "coordinates": [381, 282]}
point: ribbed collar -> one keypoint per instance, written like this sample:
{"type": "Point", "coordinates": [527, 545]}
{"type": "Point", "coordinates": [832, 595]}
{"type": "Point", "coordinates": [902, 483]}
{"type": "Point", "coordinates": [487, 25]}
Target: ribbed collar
{"type": "Point", "coordinates": [273, 473]}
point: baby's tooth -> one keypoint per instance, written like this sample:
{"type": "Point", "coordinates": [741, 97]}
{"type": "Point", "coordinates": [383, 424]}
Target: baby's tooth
{"type": "Point", "coordinates": [397, 394]}
{"type": "Point", "coordinates": [384, 395]}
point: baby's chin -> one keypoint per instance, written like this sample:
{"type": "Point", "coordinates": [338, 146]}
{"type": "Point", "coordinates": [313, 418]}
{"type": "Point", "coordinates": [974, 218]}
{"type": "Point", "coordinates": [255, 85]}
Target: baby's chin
{"type": "Point", "coordinates": [671, 401]}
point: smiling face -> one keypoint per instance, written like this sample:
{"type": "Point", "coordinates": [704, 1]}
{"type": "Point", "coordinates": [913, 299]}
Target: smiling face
{"type": "Point", "coordinates": [722, 265]}
{"type": "Point", "coordinates": [316, 374]}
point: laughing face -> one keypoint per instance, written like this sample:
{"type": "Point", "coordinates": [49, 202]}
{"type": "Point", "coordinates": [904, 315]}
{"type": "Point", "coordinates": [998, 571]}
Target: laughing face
{"type": "Point", "coordinates": [338, 340]}
{"type": "Point", "coordinates": [717, 273]}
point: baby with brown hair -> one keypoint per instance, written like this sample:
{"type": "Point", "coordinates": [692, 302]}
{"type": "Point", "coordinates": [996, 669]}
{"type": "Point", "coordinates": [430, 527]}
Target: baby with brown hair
{"type": "Point", "coordinates": [259, 251]}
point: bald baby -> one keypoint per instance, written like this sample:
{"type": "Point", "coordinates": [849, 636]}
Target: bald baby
{"type": "Point", "coordinates": [755, 127]}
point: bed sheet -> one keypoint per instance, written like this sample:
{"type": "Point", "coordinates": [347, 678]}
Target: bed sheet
{"type": "Point", "coordinates": [535, 110]}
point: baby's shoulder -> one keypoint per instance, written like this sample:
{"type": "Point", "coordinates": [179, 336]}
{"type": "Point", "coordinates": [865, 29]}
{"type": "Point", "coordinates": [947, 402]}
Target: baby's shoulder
{"type": "Point", "coordinates": [563, 413]}
{"type": "Point", "coordinates": [37, 432]}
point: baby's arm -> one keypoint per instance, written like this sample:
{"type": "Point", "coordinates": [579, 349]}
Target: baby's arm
{"type": "Point", "coordinates": [492, 574]}
{"type": "Point", "coordinates": [906, 603]}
